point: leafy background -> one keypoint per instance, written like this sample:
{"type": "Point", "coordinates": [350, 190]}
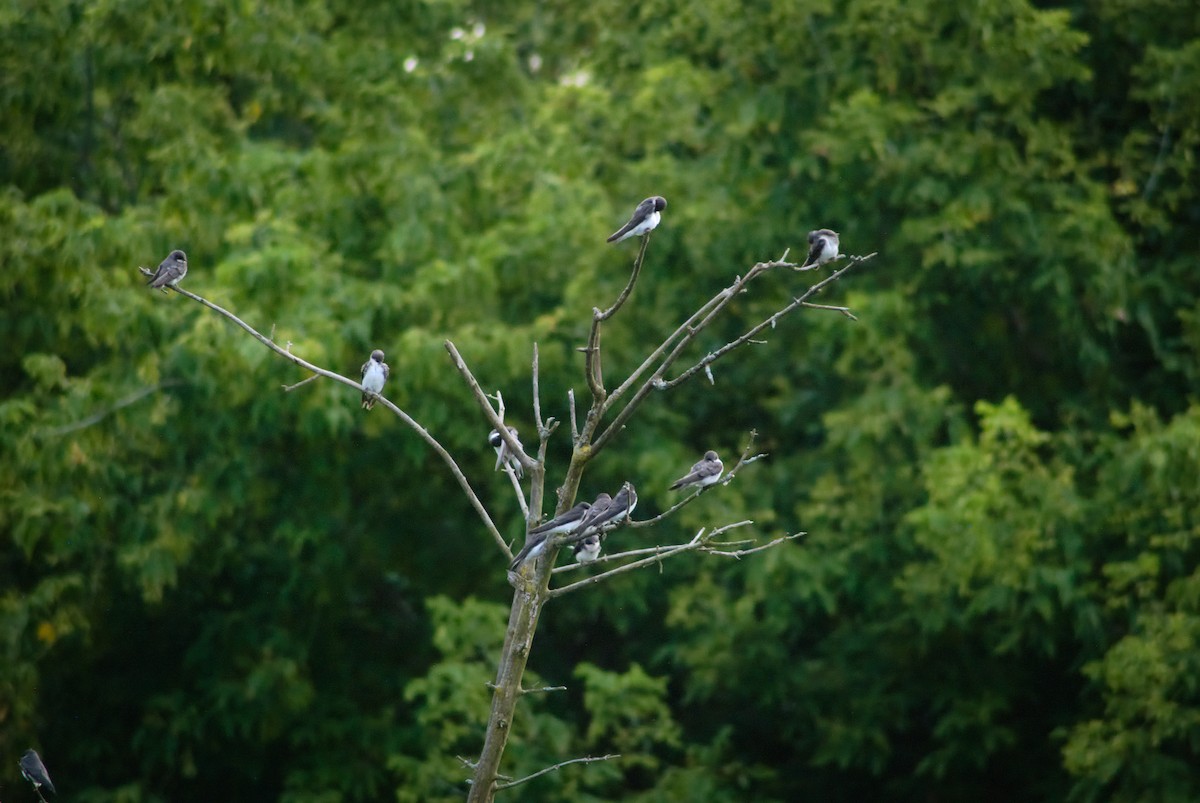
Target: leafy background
{"type": "Point", "coordinates": [213, 590]}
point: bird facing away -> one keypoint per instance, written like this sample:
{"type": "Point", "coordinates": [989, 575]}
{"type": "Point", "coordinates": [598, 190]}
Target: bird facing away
{"type": "Point", "coordinates": [35, 771]}
{"type": "Point", "coordinates": [703, 474]}
{"type": "Point", "coordinates": [374, 374]}
{"type": "Point", "coordinates": [607, 512]}
{"type": "Point", "coordinates": [588, 549]}
{"type": "Point", "coordinates": [535, 542]}
{"type": "Point", "coordinates": [170, 271]}
{"type": "Point", "coordinates": [645, 218]}
{"type": "Point", "coordinates": [504, 455]}
{"type": "Point", "coordinates": [822, 248]}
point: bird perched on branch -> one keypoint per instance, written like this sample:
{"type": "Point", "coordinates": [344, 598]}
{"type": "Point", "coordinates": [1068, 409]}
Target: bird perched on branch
{"type": "Point", "coordinates": [703, 474]}
{"type": "Point", "coordinates": [822, 248]}
{"type": "Point", "coordinates": [535, 541]}
{"type": "Point", "coordinates": [645, 218]}
{"type": "Point", "coordinates": [374, 374]}
{"type": "Point", "coordinates": [169, 271]}
{"type": "Point", "coordinates": [607, 513]}
{"type": "Point", "coordinates": [504, 455]}
{"type": "Point", "coordinates": [588, 549]}
{"type": "Point", "coordinates": [35, 771]}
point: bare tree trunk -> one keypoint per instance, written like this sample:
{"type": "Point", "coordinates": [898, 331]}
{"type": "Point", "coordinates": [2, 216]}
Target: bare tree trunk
{"type": "Point", "coordinates": [522, 623]}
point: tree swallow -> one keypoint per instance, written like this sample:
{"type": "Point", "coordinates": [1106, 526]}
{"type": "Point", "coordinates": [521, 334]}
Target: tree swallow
{"type": "Point", "coordinates": [645, 217]}
{"type": "Point", "coordinates": [170, 271]}
{"type": "Point", "coordinates": [588, 549]}
{"type": "Point", "coordinates": [503, 455]}
{"type": "Point", "coordinates": [35, 771]}
{"type": "Point", "coordinates": [703, 474]}
{"type": "Point", "coordinates": [535, 541]}
{"type": "Point", "coordinates": [607, 512]}
{"type": "Point", "coordinates": [822, 247]}
{"type": "Point", "coordinates": [374, 374]}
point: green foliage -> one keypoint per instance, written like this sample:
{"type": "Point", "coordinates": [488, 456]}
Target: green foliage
{"type": "Point", "coordinates": [211, 589]}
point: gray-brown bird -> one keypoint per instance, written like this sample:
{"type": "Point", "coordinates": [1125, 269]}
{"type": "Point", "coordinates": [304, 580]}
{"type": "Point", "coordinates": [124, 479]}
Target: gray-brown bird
{"type": "Point", "coordinates": [703, 474]}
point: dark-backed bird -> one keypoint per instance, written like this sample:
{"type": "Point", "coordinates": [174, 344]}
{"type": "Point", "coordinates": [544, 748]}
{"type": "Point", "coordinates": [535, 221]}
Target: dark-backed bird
{"type": "Point", "coordinates": [374, 374]}
{"type": "Point", "coordinates": [822, 248]}
{"type": "Point", "coordinates": [703, 474]}
{"type": "Point", "coordinates": [535, 541]}
{"type": "Point", "coordinates": [607, 512]}
{"type": "Point", "coordinates": [35, 771]}
{"type": "Point", "coordinates": [170, 271]}
{"type": "Point", "coordinates": [504, 455]}
{"type": "Point", "coordinates": [645, 218]}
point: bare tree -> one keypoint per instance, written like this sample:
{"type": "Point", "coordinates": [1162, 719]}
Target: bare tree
{"type": "Point", "coordinates": [606, 415]}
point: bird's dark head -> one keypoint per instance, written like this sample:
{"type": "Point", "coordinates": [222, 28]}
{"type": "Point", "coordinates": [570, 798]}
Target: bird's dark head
{"type": "Point", "coordinates": [377, 355]}
{"type": "Point", "coordinates": [711, 455]}
{"type": "Point", "coordinates": [178, 256]}
{"type": "Point", "coordinates": [660, 203]}
{"type": "Point", "coordinates": [494, 439]}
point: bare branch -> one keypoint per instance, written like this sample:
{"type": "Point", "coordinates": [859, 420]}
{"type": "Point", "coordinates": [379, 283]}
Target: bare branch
{"type": "Point", "coordinates": [592, 364]}
{"type": "Point", "coordinates": [574, 426]}
{"type": "Point", "coordinates": [537, 397]}
{"type": "Point", "coordinates": [844, 310]}
{"type": "Point", "coordinates": [290, 388]}
{"type": "Point", "coordinates": [403, 416]}
{"type": "Point", "coordinates": [560, 765]}
{"type": "Point", "coordinates": [656, 381]}
{"type": "Point", "coordinates": [520, 492]}
{"type": "Point", "coordinates": [770, 321]}
{"type": "Point", "coordinates": [697, 542]}
{"type": "Point", "coordinates": [96, 418]}
{"type": "Point", "coordinates": [658, 352]}
{"type": "Point", "coordinates": [492, 685]}
{"type": "Point", "coordinates": [630, 553]}
{"type": "Point", "coordinates": [537, 475]}
{"type": "Point", "coordinates": [496, 420]}
{"type": "Point", "coordinates": [687, 333]}
{"type": "Point", "coordinates": [633, 277]}
{"type": "Point", "coordinates": [543, 689]}
{"type": "Point", "coordinates": [741, 552]}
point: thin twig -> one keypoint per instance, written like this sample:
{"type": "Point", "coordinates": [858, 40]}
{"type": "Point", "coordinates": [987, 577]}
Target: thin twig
{"type": "Point", "coordinates": [537, 396]}
{"type": "Point", "coordinates": [520, 492]}
{"type": "Point", "coordinates": [496, 420]}
{"type": "Point", "coordinates": [96, 418]}
{"type": "Point", "coordinates": [741, 552]}
{"type": "Point", "coordinates": [492, 685]}
{"type": "Point", "coordinates": [537, 475]}
{"type": "Point", "coordinates": [698, 541]}
{"type": "Point", "coordinates": [633, 277]}
{"type": "Point", "coordinates": [403, 416]}
{"type": "Point", "coordinates": [593, 370]}
{"type": "Point", "coordinates": [574, 426]}
{"type": "Point", "coordinates": [844, 310]}
{"type": "Point", "coordinates": [290, 388]}
{"type": "Point", "coordinates": [543, 689]}
{"type": "Point", "coordinates": [560, 765]}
